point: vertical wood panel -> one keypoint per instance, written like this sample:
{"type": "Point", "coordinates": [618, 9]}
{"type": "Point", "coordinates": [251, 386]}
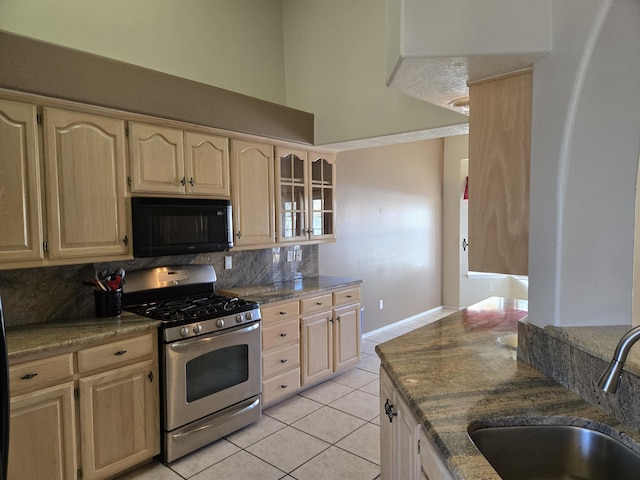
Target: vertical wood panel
{"type": "Point", "coordinates": [499, 152]}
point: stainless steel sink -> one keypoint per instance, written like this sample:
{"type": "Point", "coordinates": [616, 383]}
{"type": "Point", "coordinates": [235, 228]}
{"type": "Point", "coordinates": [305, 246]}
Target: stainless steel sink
{"type": "Point", "coordinates": [546, 452]}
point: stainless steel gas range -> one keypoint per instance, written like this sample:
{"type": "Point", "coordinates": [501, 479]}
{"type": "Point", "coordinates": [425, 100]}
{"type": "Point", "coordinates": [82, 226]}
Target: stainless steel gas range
{"type": "Point", "coordinates": [209, 354]}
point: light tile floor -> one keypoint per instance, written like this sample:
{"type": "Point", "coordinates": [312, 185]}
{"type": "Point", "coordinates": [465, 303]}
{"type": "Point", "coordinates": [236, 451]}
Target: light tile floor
{"type": "Point", "coordinates": [329, 431]}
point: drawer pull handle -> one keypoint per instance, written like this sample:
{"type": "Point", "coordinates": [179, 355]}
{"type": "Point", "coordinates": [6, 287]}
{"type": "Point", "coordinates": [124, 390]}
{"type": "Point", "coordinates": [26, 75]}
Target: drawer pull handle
{"type": "Point", "coordinates": [284, 334]}
{"type": "Point", "coordinates": [348, 296]}
{"type": "Point", "coordinates": [284, 360]}
{"type": "Point", "coordinates": [120, 352]}
{"type": "Point", "coordinates": [318, 303]}
{"type": "Point", "coordinates": [284, 385]}
{"type": "Point", "coordinates": [283, 313]}
{"type": "Point", "coordinates": [28, 376]}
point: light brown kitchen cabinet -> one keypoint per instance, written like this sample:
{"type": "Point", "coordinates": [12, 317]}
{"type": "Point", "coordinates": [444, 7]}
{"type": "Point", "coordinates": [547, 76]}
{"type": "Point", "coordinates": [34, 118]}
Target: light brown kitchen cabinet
{"type": "Point", "coordinates": [406, 453]}
{"type": "Point", "coordinates": [85, 175]}
{"type": "Point", "coordinates": [118, 420]}
{"type": "Point", "coordinates": [101, 402]}
{"type": "Point", "coordinates": [167, 160]}
{"type": "Point", "coordinates": [156, 159]}
{"type": "Point", "coordinates": [280, 350]}
{"type": "Point", "coordinates": [21, 236]}
{"type": "Point", "coordinates": [252, 182]}
{"type": "Point", "coordinates": [499, 153]}
{"type": "Point", "coordinates": [42, 442]}
{"type": "Point", "coordinates": [305, 196]}
{"type": "Point", "coordinates": [317, 346]}
{"type": "Point", "coordinates": [330, 339]}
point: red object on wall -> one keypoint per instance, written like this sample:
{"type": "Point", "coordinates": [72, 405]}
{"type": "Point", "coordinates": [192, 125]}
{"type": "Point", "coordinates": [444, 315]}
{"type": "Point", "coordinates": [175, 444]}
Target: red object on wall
{"type": "Point", "coordinates": [466, 190]}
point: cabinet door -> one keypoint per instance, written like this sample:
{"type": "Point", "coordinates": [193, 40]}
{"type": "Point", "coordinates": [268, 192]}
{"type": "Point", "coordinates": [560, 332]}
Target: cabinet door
{"type": "Point", "coordinates": [252, 190]}
{"type": "Point", "coordinates": [323, 200]}
{"type": "Point", "coordinates": [346, 329]}
{"type": "Point", "coordinates": [292, 211]}
{"type": "Point", "coordinates": [85, 179]}
{"type": "Point", "coordinates": [499, 151]}
{"type": "Point", "coordinates": [317, 347]}
{"type": "Point", "coordinates": [42, 435]}
{"type": "Point", "coordinates": [20, 203]}
{"type": "Point", "coordinates": [388, 414]}
{"type": "Point", "coordinates": [206, 164]}
{"type": "Point", "coordinates": [118, 419]}
{"type": "Point", "coordinates": [157, 159]}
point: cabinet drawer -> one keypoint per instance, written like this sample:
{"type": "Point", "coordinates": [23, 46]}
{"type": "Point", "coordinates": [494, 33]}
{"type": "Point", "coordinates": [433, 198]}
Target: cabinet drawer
{"type": "Point", "coordinates": [278, 312]}
{"type": "Point", "coordinates": [280, 386]}
{"type": "Point", "coordinates": [278, 361]}
{"type": "Point", "coordinates": [280, 334]}
{"type": "Point", "coordinates": [316, 304]}
{"type": "Point", "coordinates": [115, 353]}
{"type": "Point", "coordinates": [28, 376]}
{"type": "Point", "coordinates": [351, 295]}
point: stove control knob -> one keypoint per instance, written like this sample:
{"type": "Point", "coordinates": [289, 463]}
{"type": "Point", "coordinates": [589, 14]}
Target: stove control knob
{"type": "Point", "coordinates": [238, 318]}
{"type": "Point", "coordinates": [184, 331]}
{"type": "Point", "coordinates": [197, 328]}
{"type": "Point", "coordinates": [248, 316]}
{"type": "Point", "coordinates": [220, 323]}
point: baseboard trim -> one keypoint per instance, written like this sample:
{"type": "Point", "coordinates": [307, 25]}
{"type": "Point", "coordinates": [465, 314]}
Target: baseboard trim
{"type": "Point", "coordinates": [400, 322]}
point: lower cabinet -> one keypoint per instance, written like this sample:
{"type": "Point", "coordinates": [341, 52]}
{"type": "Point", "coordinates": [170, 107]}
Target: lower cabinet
{"type": "Point", "coordinates": [330, 338]}
{"type": "Point", "coordinates": [306, 340]}
{"type": "Point", "coordinates": [92, 421]}
{"type": "Point", "coordinates": [118, 420]}
{"type": "Point", "coordinates": [406, 453]}
{"type": "Point", "coordinates": [42, 442]}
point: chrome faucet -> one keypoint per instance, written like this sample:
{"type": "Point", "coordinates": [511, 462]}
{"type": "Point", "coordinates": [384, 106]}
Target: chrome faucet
{"type": "Point", "coordinates": [611, 376]}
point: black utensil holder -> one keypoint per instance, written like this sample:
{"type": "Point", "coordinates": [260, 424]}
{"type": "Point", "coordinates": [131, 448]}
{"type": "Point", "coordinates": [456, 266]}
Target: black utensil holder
{"type": "Point", "coordinates": [109, 303]}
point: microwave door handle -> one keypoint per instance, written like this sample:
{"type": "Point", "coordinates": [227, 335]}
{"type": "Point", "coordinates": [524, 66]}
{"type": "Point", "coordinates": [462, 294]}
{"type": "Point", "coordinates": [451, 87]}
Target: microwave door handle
{"type": "Point", "coordinates": [186, 345]}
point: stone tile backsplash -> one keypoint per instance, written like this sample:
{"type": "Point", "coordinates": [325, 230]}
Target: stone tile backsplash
{"type": "Point", "coordinates": [575, 358]}
{"type": "Point", "coordinates": [32, 295]}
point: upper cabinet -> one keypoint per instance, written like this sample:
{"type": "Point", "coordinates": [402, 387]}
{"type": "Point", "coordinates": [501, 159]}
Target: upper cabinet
{"type": "Point", "coordinates": [499, 152]}
{"type": "Point", "coordinates": [252, 170]}
{"type": "Point", "coordinates": [85, 174]}
{"type": "Point", "coordinates": [172, 161]}
{"type": "Point", "coordinates": [21, 235]}
{"type": "Point", "coordinates": [305, 196]}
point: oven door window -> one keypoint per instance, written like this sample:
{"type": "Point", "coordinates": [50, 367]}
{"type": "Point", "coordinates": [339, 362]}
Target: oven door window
{"type": "Point", "coordinates": [216, 371]}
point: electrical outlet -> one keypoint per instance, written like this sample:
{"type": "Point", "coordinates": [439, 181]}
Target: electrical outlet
{"type": "Point", "coordinates": [490, 287]}
{"type": "Point", "coordinates": [228, 262]}
{"type": "Point", "coordinates": [381, 304]}
{"type": "Point", "coordinates": [299, 255]}
{"type": "Point", "coordinates": [289, 256]}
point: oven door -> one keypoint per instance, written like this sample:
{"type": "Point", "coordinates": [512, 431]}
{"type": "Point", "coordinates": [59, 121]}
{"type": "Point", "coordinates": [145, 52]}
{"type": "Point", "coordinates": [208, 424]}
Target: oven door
{"type": "Point", "coordinates": [209, 373]}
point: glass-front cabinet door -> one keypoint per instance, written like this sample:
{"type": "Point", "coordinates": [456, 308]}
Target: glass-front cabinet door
{"type": "Point", "coordinates": [292, 195]}
{"type": "Point", "coordinates": [322, 186]}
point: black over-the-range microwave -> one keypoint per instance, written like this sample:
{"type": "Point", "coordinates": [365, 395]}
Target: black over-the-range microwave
{"type": "Point", "coordinates": [177, 226]}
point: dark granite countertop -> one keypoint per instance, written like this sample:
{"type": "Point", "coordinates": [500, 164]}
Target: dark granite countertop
{"type": "Point", "coordinates": [48, 337]}
{"type": "Point", "coordinates": [456, 373]}
{"type": "Point", "coordinates": [274, 292]}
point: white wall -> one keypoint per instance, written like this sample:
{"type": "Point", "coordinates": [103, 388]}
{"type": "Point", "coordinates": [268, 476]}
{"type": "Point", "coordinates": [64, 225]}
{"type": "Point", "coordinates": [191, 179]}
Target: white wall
{"type": "Point", "coordinates": [460, 288]}
{"type": "Point", "coordinates": [236, 45]}
{"type": "Point", "coordinates": [389, 229]}
{"type": "Point", "coordinates": [335, 54]}
{"type": "Point", "coordinates": [584, 159]}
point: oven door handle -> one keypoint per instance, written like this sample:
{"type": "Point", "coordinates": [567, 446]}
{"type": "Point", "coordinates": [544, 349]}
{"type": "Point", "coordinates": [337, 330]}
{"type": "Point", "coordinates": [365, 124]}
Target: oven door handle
{"type": "Point", "coordinates": [238, 411]}
{"type": "Point", "coordinates": [195, 342]}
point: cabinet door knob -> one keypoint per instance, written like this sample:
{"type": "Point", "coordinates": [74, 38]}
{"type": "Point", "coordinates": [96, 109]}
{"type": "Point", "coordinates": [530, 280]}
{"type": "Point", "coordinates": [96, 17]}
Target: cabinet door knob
{"type": "Point", "coordinates": [388, 409]}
